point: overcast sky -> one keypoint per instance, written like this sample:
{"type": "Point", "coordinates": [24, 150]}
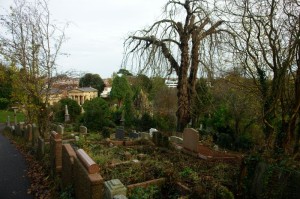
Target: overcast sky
{"type": "Point", "coordinates": [98, 29]}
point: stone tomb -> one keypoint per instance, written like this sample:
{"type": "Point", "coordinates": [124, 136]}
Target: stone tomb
{"type": "Point", "coordinates": [191, 139]}
{"type": "Point", "coordinates": [41, 148]}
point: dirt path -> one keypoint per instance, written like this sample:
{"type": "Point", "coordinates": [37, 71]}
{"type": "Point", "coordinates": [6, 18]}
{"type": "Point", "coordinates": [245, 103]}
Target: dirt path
{"type": "Point", "coordinates": [13, 180]}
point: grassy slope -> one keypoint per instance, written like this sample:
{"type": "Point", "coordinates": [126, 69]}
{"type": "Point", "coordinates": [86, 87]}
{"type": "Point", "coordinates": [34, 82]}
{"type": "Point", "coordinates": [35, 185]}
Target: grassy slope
{"type": "Point", "coordinates": [4, 114]}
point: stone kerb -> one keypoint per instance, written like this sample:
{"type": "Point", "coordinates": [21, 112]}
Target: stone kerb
{"type": "Point", "coordinates": [82, 130]}
{"type": "Point", "coordinates": [56, 152]}
{"type": "Point", "coordinates": [87, 185]}
{"type": "Point", "coordinates": [68, 158]}
{"type": "Point", "coordinates": [190, 139]}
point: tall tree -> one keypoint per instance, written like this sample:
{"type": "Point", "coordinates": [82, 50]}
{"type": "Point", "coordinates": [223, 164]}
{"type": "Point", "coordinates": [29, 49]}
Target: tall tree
{"type": "Point", "coordinates": [32, 42]}
{"type": "Point", "coordinates": [120, 89]}
{"type": "Point", "coordinates": [177, 44]}
{"type": "Point", "coordinates": [267, 45]}
{"type": "Point", "coordinates": [93, 80]}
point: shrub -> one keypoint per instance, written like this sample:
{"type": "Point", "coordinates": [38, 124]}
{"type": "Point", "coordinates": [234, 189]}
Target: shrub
{"type": "Point", "coordinates": [73, 109]}
{"type": "Point", "coordinates": [97, 114]}
{"type": "Point", "coordinates": [4, 103]}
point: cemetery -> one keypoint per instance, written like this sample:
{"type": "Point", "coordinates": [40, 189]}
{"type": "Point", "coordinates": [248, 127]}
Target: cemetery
{"type": "Point", "coordinates": [129, 164]}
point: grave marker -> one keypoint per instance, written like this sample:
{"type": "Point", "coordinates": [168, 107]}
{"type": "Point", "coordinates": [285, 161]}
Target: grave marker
{"type": "Point", "coordinates": [191, 139]}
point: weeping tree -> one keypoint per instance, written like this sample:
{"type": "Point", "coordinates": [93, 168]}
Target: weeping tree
{"type": "Point", "coordinates": [177, 44]}
{"type": "Point", "coordinates": [32, 43]}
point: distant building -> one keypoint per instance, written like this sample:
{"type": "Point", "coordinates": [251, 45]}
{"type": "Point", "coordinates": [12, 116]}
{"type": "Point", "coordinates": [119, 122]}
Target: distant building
{"type": "Point", "coordinates": [82, 94]}
{"type": "Point", "coordinates": [106, 92]}
{"type": "Point", "coordinates": [55, 95]}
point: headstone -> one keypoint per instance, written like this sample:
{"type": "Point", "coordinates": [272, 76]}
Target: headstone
{"type": "Point", "coordinates": [28, 135]}
{"type": "Point", "coordinates": [145, 135]}
{"type": "Point", "coordinates": [151, 131]}
{"type": "Point", "coordinates": [41, 148]}
{"type": "Point", "coordinates": [18, 130]}
{"type": "Point", "coordinates": [67, 116]}
{"type": "Point", "coordinates": [60, 129]}
{"type": "Point", "coordinates": [83, 130]}
{"type": "Point", "coordinates": [134, 135]}
{"type": "Point", "coordinates": [114, 187]}
{"type": "Point", "coordinates": [22, 127]}
{"type": "Point", "coordinates": [120, 134]}
{"type": "Point", "coordinates": [190, 139]}
{"type": "Point", "coordinates": [35, 134]}
{"type": "Point", "coordinates": [8, 121]}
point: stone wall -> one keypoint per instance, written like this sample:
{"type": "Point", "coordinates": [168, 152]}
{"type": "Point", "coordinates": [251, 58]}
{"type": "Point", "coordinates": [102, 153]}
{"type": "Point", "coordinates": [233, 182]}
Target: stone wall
{"type": "Point", "coordinates": [55, 152]}
{"type": "Point", "coordinates": [88, 183]}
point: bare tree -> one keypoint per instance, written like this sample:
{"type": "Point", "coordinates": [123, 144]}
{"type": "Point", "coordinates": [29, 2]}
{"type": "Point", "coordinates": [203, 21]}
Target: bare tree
{"type": "Point", "coordinates": [177, 44]}
{"type": "Point", "coordinates": [32, 43]}
{"type": "Point", "coordinates": [267, 45]}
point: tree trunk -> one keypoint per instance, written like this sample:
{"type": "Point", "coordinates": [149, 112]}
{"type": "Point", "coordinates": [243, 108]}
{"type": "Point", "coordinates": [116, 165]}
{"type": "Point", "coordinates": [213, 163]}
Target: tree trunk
{"type": "Point", "coordinates": [184, 102]}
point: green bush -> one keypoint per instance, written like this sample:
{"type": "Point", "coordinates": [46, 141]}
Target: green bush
{"type": "Point", "coordinates": [165, 122]}
{"type": "Point", "coordinates": [146, 122]}
{"type": "Point", "coordinates": [106, 132]}
{"type": "Point", "coordinates": [73, 109]}
{"type": "Point", "coordinates": [97, 114]}
{"type": "Point", "coordinates": [4, 103]}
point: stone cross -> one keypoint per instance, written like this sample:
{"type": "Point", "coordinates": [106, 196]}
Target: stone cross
{"type": "Point", "coordinates": [67, 116]}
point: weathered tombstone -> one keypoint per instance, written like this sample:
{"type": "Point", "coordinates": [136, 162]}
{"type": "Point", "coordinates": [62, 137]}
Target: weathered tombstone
{"type": "Point", "coordinates": [68, 156]}
{"type": "Point", "coordinates": [60, 129]}
{"type": "Point", "coordinates": [8, 121]}
{"type": "Point", "coordinates": [22, 127]}
{"type": "Point", "coordinates": [28, 135]}
{"type": "Point", "coordinates": [114, 187]}
{"type": "Point", "coordinates": [190, 139]}
{"type": "Point", "coordinates": [35, 135]}
{"type": "Point", "coordinates": [151, 131]}
{"type": "Point", "coordinates": [67, 116]}
{"type": "Point", "coordinates": [120, 134]}
{"type": "Point", "coordinates": [18, 130]}
{"type": "Point", "coordinates": [82, 130]}
{"type": "Point", "coordinates": [134, 135]}
{"type": "Point", "coordinates": [41, 148]}
{"type": "Point", "coordinates": [144, 135]}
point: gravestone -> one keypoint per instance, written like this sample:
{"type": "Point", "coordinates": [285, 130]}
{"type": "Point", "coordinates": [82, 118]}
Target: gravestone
{"type": "Point", "coordinates": [134, 135]}
{"type": "Point", "coordinates": [60, 129]}
{"type": "Point", "coordinates": [18, 130]}
{"type": "Point", "coordinates": [41, 148]}
{"type": "Point", "coordinates": [144, 135]}
{"type": "Point", "coordinates": [28, 135]}
{"type": "Point", "coordinates": [82, 130]}
{"type": "Point", "coordinates": [114, 187]}
{"type": "Point", "coordinates": [191, 139]}
{"type": "Point", "coordinates": [120, 134]}
{"type": "Point", "coordinates": [22, 128]}
{"type": "Point", "coordinates": [8, 121]}
{"type": "Point", "coordinates": [35, 134]}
